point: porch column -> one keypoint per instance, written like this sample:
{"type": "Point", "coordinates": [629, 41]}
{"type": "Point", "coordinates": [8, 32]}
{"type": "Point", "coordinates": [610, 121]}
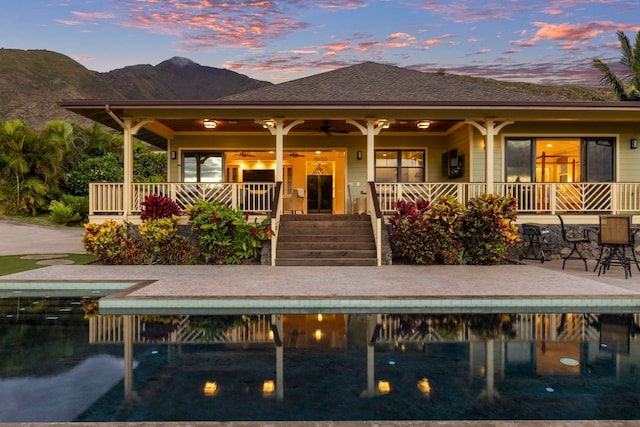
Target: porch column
{"type": "Point", "coordinates": [127, 166]}
{"type": "Point", "coordinates": [374, 126]}
{"type": "Point", "coordinates": [279, 130]}
{"type": "Point", "coordinates": [130, 128]}
{"type": "Point", "coordinates": [489, 131]}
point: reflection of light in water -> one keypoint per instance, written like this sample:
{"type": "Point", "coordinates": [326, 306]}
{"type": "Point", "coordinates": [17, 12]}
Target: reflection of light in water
{"type": "Point", "coordinates": [210, 388]}
{"type": "Point", "coordinates": [384, 387]}
{"type": "Point", "coordinates": [268, 387]}
{"type": "Point", "coordinates": [61, 397]}
{"type": "Point", "coordinates": [424, 386]}
{"type": "Point", "coordinates": [568, 361]}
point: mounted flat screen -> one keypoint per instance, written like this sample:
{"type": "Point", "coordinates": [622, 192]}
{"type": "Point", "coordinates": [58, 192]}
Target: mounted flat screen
{"type": "Point", "coordinates": [258, 175]}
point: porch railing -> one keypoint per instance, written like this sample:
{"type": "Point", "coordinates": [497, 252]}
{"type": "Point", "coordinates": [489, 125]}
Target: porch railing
{"type": "Point", "coordinates": [252, 197]}
{"type": "Point", "coordinates": [257, 198]}
{"type": "Point", "coordinates": [544, 198]}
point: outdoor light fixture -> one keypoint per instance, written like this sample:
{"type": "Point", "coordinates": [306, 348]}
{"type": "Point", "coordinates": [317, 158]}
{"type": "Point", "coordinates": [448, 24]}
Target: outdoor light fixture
{"type": "Point", "coordinates": [359, 155]}
{"type": "Point", "coordinates": [423, 124]}
{"type": "Point", "coordinates": [210, 124]}
{"type": "Point", "coordinates": [174, 155]}
{"type": "Point", "coordinates": [318, 334]}
{"type": "Point", "coordinates": [634, 144]}
{"type": "Point", "coordinates": [269, 123]}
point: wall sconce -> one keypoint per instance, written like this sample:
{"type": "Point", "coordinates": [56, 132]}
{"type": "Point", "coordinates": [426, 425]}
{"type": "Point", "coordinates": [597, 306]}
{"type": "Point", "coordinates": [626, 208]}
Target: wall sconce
{"type": "Point", "coordinates": [174, 155]}
{"type": "Point", "coordinates": [634, 144]}
{"type": "Point", "coordinates": [359, 155]}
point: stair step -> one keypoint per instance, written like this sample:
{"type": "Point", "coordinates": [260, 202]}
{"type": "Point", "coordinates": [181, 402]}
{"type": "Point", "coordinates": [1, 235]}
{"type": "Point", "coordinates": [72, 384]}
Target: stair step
{"type": "Point", "coordinates": [328, 245]}
{"type": "Point", "coordinates": [332, 253]}
{"type": "Point", "coordinates": [301, 238]}
{"type": "Point", "coordinates": [325, 217]}
{"type": "Point", "coordinates": [327, 262]}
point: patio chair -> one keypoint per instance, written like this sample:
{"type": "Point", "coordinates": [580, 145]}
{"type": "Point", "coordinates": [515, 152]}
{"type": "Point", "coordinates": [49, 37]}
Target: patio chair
{"type": "Point", "coordinates": [615, 237]}
{"type": "Point", "coordinates": [295, 202]}
{"type": "Point", "coordinates": [574, 240]}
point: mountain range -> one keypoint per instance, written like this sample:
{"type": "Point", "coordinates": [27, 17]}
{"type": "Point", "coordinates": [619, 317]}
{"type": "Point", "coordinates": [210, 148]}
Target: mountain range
{"type": "Point", "coordinates": [32, 81]}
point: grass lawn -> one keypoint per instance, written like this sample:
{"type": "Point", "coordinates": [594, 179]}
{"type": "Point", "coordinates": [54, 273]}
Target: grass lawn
{"type": "Point", "coordinates": [14, 264]}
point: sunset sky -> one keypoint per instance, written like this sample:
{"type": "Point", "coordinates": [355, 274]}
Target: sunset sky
{"type": "Point", "coordinates": [542, 41]}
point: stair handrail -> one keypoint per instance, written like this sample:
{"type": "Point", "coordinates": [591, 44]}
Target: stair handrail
{"type": "Point", "coordinates": [276, 210]}
{"type": "Point", "coordinates": [376, 219]}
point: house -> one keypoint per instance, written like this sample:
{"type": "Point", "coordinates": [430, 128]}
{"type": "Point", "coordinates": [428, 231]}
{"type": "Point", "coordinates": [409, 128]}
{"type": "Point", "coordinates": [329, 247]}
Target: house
{"type": "Point", "coordinates": [360, 137]}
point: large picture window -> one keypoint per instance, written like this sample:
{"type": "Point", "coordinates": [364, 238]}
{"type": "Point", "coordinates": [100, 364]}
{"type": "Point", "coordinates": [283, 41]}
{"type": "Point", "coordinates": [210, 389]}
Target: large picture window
{"type": "Point", "coordinates": [400, 165]}
{"type": "Point", "coordinates": [202, 166]}
{"type": "Point", "coordinates": [559, 159]}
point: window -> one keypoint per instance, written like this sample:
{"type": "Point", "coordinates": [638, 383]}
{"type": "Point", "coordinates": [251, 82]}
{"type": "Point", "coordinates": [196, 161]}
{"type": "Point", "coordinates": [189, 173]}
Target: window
{"type": "Point", "coordinates": [201, 166]}
{"type": "Point", "coordinates": [400, 165]}
{"type": "Point", "coordinates": [559, 159]}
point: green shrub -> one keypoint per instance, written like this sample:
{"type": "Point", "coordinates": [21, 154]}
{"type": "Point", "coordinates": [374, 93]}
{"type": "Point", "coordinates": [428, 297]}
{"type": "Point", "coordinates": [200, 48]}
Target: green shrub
{"type": "Point", "coordinates": [62, 213]}
{"type": "Point", "coordinates": [225, 234]}
{"type": "Point", "coordinates": [98, 169]}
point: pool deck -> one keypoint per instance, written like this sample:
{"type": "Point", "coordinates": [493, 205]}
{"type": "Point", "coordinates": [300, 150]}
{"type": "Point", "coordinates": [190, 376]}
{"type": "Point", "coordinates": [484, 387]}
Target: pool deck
{"type": "Point", "coordinates": [256, 289]}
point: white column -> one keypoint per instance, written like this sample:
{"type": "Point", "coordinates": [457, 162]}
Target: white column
{"type": "Point", "coordinates": [371, 153]}
{"type": "Point", "coordinates": [279, 151]}
{"type": "Point", "coordinates": [127, 166]}
{"type": "Point", "coordinates": [488, 152]}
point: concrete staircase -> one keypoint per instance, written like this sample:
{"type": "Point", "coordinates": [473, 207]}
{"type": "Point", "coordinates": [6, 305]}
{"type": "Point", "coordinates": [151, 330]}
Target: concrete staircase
{"type": "Point", "coordinates": [325, 240]}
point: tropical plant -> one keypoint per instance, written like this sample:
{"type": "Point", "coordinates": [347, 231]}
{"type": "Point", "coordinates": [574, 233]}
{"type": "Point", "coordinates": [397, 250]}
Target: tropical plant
{"type": "Point", "coordinates": [156, 206]}
{"type": "Point", "coordinates": [225, 234]}
{"type": "Point", "coordinates": [29, 169]}
{"type": "Point", "coordinates": [627, 87]}
{"type": "Point", "coordinates": [446, 232]}
{"type": "Point", "coordinates": [160, 243]}
{"type": "Point", "coordinates": [63, 214]}
{"type": "Point", "coordinates": [489, 228]}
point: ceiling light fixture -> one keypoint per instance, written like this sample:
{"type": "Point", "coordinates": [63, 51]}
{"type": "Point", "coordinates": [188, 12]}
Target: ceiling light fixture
{"type": "Point", "coordinates": [383, 123]}
{"type": "Point", "coordinates": [423, 124]}
{"type": "Point", "coordinates": [269, 123]}
{"type": "Point", "coordinates": [210, 124]}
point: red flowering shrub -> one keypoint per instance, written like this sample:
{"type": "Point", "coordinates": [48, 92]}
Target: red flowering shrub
{"type": "Point", "coordinates": [156, 206]}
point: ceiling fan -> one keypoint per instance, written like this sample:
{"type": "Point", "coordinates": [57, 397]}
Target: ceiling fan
{"type": "Point", "coordinates": [295, 154]}
{"type": "Point", "coordinates": [329, 130]}
{"type": "Point", "coordinates": [244, 154]}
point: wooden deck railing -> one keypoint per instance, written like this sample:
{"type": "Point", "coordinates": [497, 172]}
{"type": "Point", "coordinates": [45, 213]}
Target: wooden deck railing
{"type": "Point", "coordinates": [257, 198]}
{"type": "Point", "coordinates": [252, 197]}
{"type": "Point", "coordinates": [542, 198]}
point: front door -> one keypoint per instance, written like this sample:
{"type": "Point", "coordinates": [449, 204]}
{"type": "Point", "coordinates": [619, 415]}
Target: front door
{"type": "Point", "coordinates": [319, 193]}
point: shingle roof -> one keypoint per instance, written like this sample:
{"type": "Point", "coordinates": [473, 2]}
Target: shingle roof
{"type": "Point", "coordinates": [373, 82]}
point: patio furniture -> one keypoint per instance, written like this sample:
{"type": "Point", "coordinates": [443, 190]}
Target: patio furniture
{"type": "Point", "coordinates": [615, 238]}
{"type": "Point", "coordinates": [574, 240]}
{"type": "Point", "coordinates": [534, 237]}
{"type": "Point", "coordinates": [295, 202]}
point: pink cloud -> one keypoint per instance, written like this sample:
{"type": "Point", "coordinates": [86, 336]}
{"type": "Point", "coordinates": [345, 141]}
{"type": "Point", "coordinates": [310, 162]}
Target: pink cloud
{"type": "Point", "coordinates": [341, 4]}
{"type": "Point", "coordinates": [209, 24]}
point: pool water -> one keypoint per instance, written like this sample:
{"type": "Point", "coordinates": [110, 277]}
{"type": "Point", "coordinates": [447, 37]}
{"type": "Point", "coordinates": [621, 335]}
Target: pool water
{"type": "Point", "coordinates": [56, 366]}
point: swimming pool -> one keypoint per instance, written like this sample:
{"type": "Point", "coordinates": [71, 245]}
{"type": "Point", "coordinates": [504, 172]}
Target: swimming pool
{"type": "Point", "coordinates": [57, 366]}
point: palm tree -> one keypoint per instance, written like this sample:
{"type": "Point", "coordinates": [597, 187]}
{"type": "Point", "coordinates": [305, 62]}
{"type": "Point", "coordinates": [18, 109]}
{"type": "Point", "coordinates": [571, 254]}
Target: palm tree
{"type": "Point", "coordinates": [626, 88]}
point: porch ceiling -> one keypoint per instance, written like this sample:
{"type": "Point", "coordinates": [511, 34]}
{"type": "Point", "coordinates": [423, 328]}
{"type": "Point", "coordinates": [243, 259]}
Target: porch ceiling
{"type": "Point", "coordinates": [172, 117]}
